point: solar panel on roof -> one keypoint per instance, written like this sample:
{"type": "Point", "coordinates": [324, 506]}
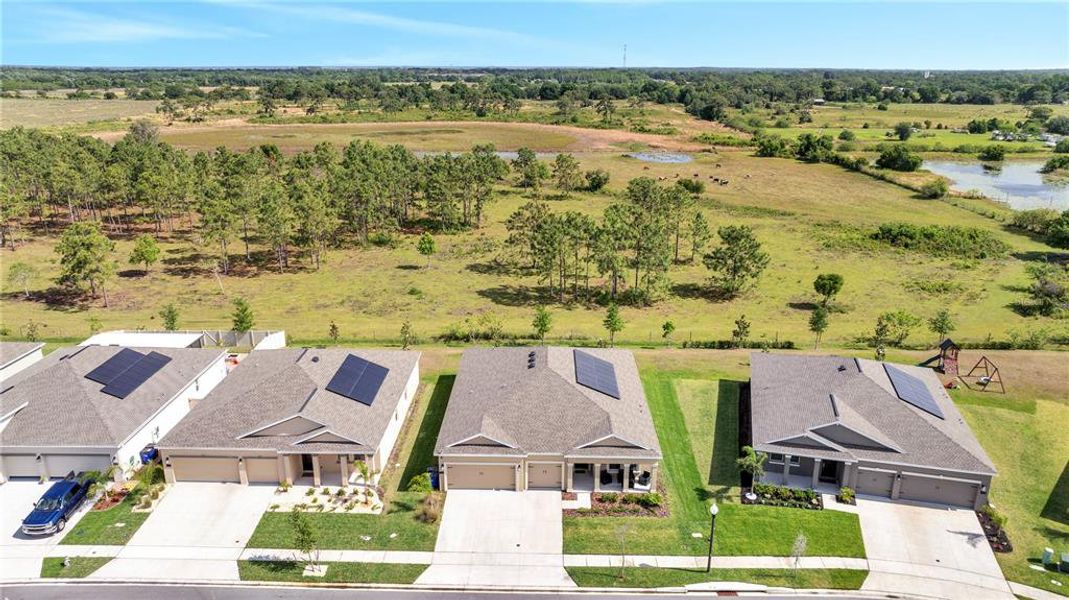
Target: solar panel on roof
{"type": "Point", "coordinates": [596, 374]}
{"type": "Point", "coordinates": [913, 390]}
{"type": "Point", "coordinates": [358, 379]}
{"type": "Point", "coordinates": [129, 380]}
{"type": "Point", "coordinates": [111, 368]}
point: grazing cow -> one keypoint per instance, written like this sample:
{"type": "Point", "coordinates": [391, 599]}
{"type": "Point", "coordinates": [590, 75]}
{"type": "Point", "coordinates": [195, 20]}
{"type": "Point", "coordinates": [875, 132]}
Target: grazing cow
{"type": "Point", "coordinates": [662, 178]}
{"type": "Point", "coordinates": [716, 180]}
{"type": "Point", "coordinates": [718, 165]}
{"type": "Point", "coordinates": [676, 176]}
{"type": "Point", "coordinates": [747, 176]}
{"type": "Point", "coordinates": [646, 168]}
{"type": "Point", "coordinates": [723, 182]}
{"type": "Point", "coordinates": [697, 175]}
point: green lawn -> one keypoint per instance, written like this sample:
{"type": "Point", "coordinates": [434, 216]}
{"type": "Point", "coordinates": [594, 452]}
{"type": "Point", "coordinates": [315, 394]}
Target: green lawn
{"type": "Point", "coordinates": [1025, 436]}
{"type": "Point", "coordinates": [686, 427]}
{"type": "Point", "coordinates": [344, 532]}
{"type": "Point", "coordinates": [114, 526]}
{"type": "Point", "coordinates": [417, 454]}
{"type": "Point", "coordinates": [652, 577]}
{"type": "Point", "coordinates": [81, 566]}
{"type": "Point", "coordinates": [337, 572]}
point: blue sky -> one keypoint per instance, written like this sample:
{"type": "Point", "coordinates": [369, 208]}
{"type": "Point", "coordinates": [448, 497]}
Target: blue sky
{"type": "Point", "coordinates": [834, 34]}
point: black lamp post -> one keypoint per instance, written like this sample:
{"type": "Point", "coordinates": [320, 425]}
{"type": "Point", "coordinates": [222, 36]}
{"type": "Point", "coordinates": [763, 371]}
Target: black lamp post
{"type": "Point", "coordinates": [712, 531]}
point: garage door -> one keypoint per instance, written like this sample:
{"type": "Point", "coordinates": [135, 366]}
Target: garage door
{"type": "Point", "coordinates": [481, 477]}
{"type": "Point", "coordinates": [21, 465]}
{"type": "Point", "coordinates": [939, 491]}
{"type": "Point", "coordinates": [188, 468]}
{"type": "Point", "coordinates": [61, 464]}
{"type": "Point", "coordinates": [542, 476]}
{"type": "Point", "coordinates": [874, 483]}
{"type": "Point", "coordinates": [262, 470]}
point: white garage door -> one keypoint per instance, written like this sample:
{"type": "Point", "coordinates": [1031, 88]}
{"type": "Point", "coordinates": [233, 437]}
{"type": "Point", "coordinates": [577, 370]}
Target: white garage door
{"type": "Point", "coordinates": [61, 464]}
{"type": "Point", "coordinates": [21, 465]}
{"type": "Point", "coordinates": [481, 477]}
{"type": "Point", "coordinates": [200, 468]}
{"type": "Point", "coordinates": [544, 476]}
{"type": "Point", "coordinates": [874, 483]}
{"type": "Point", "coordinates": [938, 491]}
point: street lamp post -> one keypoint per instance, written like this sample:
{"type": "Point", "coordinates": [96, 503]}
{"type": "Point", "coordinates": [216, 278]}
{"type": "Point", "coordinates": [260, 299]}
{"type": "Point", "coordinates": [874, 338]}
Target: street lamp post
{"type": "Point", "coordinates": [712, 531]}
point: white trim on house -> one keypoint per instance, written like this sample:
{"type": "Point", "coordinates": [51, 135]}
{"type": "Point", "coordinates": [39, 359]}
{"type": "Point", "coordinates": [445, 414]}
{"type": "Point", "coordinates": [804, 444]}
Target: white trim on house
{"type": "Point", "coordinates": [324, 431]}
{"type": "Point", "coordinates": [279, 422]}
{"type": "Point", "coordinates": [481, 435]}
{"type": "Point", "coordinates": [612, 436]}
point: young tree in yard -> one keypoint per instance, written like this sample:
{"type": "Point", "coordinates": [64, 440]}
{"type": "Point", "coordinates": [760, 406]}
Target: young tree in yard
{"type": "Point", "coordinates": [19, 275]}
{"type": "Point", "coordinates": [737, 262]}
{"type": "Point", "coordinates": [406, 335]}
{"type": "Point", "coordinates": [365, 479]}
{"type": "Point", "coordinates": [895, 326]}
{"type": "Point", "coordinates": [699, 232]}
{"type": "Point", "coordinates": [622, 533]}
{"type": "Point", "coordinates": [427, 247]}
{"type": "Point", "coordinates": [169, 314]}
{"type": "Point", "coordinates": [333, 332]}
{"type": "Point", "coordinates": [566, 173]}
{"type": "Point", "coordinates": [146, 251]}
{"type": "Point", "coordinates": [85, 257]}
{"type": "Point", "coordinates": [613, 323]}
{"type": "Point", "coordinates": [542, 323]}
{"type": "Point", "coordinates": [304, 538]}
{"type": "Point", "coordinates": [242, 316]}
{"type": "Point", "coordinates": [941, 324]}
{"type": "Point", "coordinates": [798, 549]}
{"type": "Point", "coordinates": [752, 462]}
{"type": "Point", "coordinates": [818, 324]}
{"type": "Point", "coordinates": [741, 332]}
{"type": "Point", "coordinates": [828, 285]}
{"type": "Point", "coordinates": [667, 329]}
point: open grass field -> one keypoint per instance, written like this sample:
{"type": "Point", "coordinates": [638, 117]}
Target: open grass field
{"type": "Point", "coordinates": [687, 424]}
{"type": "Point", "coordinates": [52, 112]}
{"type": "Point", "coordinates": [639, 577]}
{"type": "Point", "coordinates": [808, 217]}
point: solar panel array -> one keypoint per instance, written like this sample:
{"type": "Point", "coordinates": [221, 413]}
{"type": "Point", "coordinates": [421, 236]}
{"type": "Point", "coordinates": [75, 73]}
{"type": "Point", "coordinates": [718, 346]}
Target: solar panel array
{"type": "Point", "coordinates": [596, 374]}
{"type": "Point", "coordinates": [358, 379]}
{"type": "Point", "coordinates": [126, 370]}
{"type": "Point", "coordinates": [913, 390]}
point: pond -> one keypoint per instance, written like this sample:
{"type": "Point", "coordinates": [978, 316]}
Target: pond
{"type": "Point", "coordinates": [661, 157]}
{"type": "Point", "coordinates": [1017, 183]}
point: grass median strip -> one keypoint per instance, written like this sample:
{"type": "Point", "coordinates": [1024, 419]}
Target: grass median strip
{"type": "Point", "coordinates": [80, 566]}
{"type": "Point", "coordinates": [112, 527]}
{"type": "Point", "coordinates": [337, 572]}
{"type": "Point", "coordinates": [653, 577]}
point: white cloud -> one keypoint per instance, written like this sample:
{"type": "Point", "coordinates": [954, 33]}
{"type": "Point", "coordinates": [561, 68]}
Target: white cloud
{"type": "Point", "coordinates": [61, 26]}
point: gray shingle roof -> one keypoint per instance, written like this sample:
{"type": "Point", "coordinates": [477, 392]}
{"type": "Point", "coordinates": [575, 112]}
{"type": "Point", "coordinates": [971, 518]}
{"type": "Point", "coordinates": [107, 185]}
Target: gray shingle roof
{"type": "Point", "coordinates": [542, 410]}
{"type": "Point", "coordinates": [272, 386]}
{"type": "Point", "coordinates": [63, 408]}
{"type": "Point", "coordinates": [12, 351]}
{"type": "Point", "coordinates": [791, 397]}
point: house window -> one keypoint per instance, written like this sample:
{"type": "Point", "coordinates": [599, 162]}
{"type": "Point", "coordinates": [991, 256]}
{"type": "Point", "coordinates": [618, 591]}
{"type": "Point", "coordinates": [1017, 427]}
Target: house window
{"type": "Point", "coordinates": [776, 459]}
{"type": "Point", "coordinates": [795, 461]}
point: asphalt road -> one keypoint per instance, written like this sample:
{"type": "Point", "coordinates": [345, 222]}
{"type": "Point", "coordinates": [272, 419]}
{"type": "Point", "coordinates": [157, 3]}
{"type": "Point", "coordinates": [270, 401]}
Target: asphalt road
{"type": "Point", "coordinates": [83, 591]}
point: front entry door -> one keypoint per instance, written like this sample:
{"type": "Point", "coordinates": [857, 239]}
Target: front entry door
{"type": "Point", "coordinates": [306, 464]}
{"type": "Point", "coordinates": [829, 471]}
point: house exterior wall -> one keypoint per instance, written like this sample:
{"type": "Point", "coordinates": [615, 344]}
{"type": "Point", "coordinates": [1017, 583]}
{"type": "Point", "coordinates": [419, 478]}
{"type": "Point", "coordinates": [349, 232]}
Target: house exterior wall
{"type": "Point", "coordinates": [525, 464]}
{"type": "Point", "coordinates": [169, 415]}
{"type": "Point", "coordinates": [20, 364]}
{"type": "Point", "coordinates": [393, 430]}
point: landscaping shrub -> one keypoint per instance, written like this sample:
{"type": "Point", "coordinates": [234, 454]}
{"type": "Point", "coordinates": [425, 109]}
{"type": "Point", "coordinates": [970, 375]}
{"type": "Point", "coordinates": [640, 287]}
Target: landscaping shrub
{"type": "Point", "coordinates": [846, 495]}
{"type": "Point", "coordinates": [609, 497]}
{"type": "Point", "coordinates": [430, 510]}
{"type": "Point", "coordinates": [994, 515]}
{"type": "Point", "coordinates": [650, 500]}
{"type": "Point", "coordinates": [778, 495]}
{"type": "Point", "coordinates": [420, 483]}
{"type": "Point", "coordinates": [942, 240]}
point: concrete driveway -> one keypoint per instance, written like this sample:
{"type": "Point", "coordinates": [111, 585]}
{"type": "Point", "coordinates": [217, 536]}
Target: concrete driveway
{"type": "Point", "coordinates": [20, 555]}
{"type": "Point", "coordinates": [928, 550]}
{"type": "Point", "coordinates": [491, 538]}
{"type": "Point", "coordinates": [197, 531]}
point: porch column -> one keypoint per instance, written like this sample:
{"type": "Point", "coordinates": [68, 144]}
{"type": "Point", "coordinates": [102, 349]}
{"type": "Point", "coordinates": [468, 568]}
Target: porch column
{"type": "Point", "coordinates": [3, 473]}
{"type": "Point", "coordinates": [786, 467]}
{"type": "Point", "coordinates": [520, 479]}
{"type": "Point", "coordinates": [315, 470]}
{"type": "Point", "coordinates": [42, 468]}
{"type": "Point", "coordinates": [597, 477]}
{"type": "Point", "coordinates": [896, 485]}
{"type": "Point", "coordinates": [243, 474]}
{"type": "Point", "coordinates": [286, 466]}
{"type": "Point", "coordinates": [653, 478]}
{"type": "Point", "coordinates": [443, 474]}
{"type": "Point", "coordinates": [343, 462]}
{"type": "Point", "coordinates": [626, 476]}
{"type": "Point", "coordinates": [816, 472]}
{"type": "Point", "coordinates": [569, 476]}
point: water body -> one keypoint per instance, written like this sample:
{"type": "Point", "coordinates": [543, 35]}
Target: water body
{"type": "Point", "coordinates": [1018, 183]}
{"type": "Point", "coordinates": [661, 157]}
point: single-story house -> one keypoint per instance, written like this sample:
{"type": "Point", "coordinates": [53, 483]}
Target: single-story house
{"type": "Point", "coordinates": [548, 418]}
{"type": "Point", "coordinates": [16, 356]}
{"type": "Point", "coordinates": [286, 414]}
{"type": "Point", "coordinates": [87, 407]}
{"type": "Point", "coordinates": [883, 429]}
{"type": "Point", "coordinates": [255, 339]}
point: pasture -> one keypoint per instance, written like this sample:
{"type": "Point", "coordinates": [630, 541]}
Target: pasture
{"type": "Point", "coordinates": [55, 112]}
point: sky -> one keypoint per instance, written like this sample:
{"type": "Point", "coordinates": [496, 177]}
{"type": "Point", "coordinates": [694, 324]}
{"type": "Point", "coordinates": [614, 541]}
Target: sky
{"type": "Point", "coordinates": [892, 34]}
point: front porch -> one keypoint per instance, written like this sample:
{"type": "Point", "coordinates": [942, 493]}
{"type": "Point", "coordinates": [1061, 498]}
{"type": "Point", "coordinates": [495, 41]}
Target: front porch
{"type": "Point", "coordinates": [326, 470]}
{"type": "Point", "coordinates": [612, 477]}
{"type": "Point", "coordinates": [801, 472]}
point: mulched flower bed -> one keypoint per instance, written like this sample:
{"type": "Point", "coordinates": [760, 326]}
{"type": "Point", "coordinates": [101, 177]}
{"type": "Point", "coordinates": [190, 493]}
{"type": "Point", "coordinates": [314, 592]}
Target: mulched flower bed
{"type": "Point", "coordinates": [773, 495]}
{"type": "Point", "coordinates": [613, 504]}
{"type": "Point", "coordinates": [112, 500]}
{"type": "Point", "coordinates": [996, 536]}
{"type": "Point", "coordinates": [569, 496]}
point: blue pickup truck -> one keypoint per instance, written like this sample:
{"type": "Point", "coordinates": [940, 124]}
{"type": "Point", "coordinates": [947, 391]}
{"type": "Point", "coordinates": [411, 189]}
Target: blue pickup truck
{"type": "Point", "coordinates": [56, 506]}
